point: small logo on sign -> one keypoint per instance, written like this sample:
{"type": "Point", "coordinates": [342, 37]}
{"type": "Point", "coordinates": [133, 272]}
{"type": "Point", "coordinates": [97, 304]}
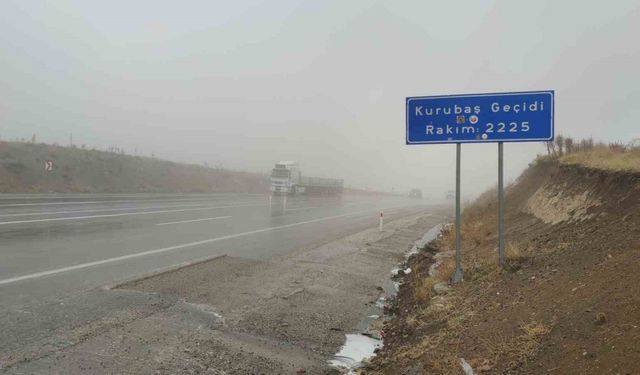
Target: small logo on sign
{"type": "Point", "coordinates": [48, 165]}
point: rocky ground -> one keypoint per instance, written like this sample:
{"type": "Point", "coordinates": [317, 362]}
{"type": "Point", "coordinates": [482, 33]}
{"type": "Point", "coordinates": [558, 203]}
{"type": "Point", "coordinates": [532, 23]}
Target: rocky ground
{"type": "Point", "coordinates": [226, 316]}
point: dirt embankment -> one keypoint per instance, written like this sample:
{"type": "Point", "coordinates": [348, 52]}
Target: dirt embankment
{"type": "Point", "coordinates": [77, 170]}
{"type": "Point", "coordinates": [568, 301]}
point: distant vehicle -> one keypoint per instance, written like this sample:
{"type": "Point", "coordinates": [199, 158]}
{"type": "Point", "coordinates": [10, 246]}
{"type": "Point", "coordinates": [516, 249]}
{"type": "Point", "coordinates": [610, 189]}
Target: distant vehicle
{"type": "Point", "coordinates": [415, 193]}
{"type": "Point", "coordinates": [287, 179]}
{"type": "Point", "coordinates": [451, 195]}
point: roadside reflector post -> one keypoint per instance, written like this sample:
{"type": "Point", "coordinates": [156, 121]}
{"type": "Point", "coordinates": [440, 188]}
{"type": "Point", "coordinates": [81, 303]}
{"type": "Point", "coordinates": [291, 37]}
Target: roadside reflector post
{"type": "Point", "coordinates": [501, 203]}
{"type": "Point", "coordinates": [457, 274]}
{"type": "Point", "coordinates": [381, 222]}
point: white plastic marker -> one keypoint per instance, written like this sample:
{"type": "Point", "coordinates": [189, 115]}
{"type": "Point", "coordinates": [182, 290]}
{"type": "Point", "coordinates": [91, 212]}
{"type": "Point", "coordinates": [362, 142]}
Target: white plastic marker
{"type": "Point", "coordinates": [381, 221]}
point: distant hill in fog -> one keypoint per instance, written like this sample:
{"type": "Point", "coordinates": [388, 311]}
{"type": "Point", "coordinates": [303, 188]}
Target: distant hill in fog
{"type": "Point", "coordinates": [22, 170]}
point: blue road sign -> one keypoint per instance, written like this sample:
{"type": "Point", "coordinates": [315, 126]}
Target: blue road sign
{"type": "Point", "coordinates": [477, 118]}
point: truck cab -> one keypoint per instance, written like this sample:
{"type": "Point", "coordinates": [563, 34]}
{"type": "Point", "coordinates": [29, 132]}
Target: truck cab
{"type": "Point", "coordinates": [415, 193]}
{"type": "Point", "coordinates": [285, 178]}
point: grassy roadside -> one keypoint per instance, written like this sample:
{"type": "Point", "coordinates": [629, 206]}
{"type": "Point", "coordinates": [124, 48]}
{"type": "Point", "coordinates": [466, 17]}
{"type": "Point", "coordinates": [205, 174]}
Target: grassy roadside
{"type": "Point", "coordinates": [606, 158]}
{"type": "Point", "coordinates": [81, 170]}
{"type": "Point", "coordinates": [565, 303]}
{"type": "Point", "coordinates": [595, 155]}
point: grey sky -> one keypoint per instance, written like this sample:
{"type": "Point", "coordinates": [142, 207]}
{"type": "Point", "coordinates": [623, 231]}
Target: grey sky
{"type": "Point", "coordinates": [247, 83]}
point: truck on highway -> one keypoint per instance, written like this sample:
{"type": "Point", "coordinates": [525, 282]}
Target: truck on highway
{"type": "Point", "coordinates": [415, 193]}
{"type": "Point", "coordinates": [451, 195]}
{"type": "Point", "coordinates": [287, 179]}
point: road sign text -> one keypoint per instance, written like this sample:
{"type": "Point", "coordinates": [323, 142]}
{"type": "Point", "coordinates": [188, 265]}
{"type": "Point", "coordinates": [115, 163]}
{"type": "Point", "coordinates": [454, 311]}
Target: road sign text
{"type": "Point", "coordinates": [503, 117]}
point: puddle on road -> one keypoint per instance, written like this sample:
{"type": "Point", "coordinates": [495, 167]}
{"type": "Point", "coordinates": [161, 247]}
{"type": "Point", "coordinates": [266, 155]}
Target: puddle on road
{"type": "Point", "coordinates": [357, 348]}
{"type": "Point", "coordinates": [361, 346]}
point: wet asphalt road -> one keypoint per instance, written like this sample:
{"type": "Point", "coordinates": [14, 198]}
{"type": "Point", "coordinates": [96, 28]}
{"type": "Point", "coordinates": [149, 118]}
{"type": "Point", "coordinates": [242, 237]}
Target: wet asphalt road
{"type": "Point", "coordinates": [56, 245]}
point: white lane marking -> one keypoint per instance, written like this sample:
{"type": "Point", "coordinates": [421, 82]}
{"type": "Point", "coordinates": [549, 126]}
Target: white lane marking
{"type": "Point", "coordinates": [194, 220]}
{"type": "Point", "coordinates": [106, 201]}
{"type": "Point", "coordinates": [125, 214]}
{"type": "Point", "coordinates": [16, 196]}
{"type": "Point", "coordinates": [109, 210]}
{"type": "Point", "coordinates": [58, 203]}
{"type": "Point", "coordinates": [300, 208]}
{"type": "Point", "coordinates": [176, 247]}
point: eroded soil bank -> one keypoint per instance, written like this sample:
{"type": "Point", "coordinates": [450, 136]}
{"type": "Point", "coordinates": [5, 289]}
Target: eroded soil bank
{"type": "Point", "coordinates": [567, 302]}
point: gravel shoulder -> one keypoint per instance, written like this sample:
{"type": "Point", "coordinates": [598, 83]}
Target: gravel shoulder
{"type": "Point", "coordinates": [230, 315]}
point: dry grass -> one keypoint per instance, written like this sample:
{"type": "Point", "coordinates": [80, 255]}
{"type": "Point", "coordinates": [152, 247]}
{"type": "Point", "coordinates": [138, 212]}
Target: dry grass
{"type": "Point", "coordinates": [422, 290]}
{"type": "Point", "coordinates": [448, 237]}
{"type": "Point", "coordinates": [455, 313]}
{"type": "Point", "coordinates": [485, 270]}
{"type": "Point", "coordinates": [477, 221]}
{"type": "Point", "coordinates": [456, 321]}
{"type": "Point", "coordinates": [440, 308]}
{"type": "Point", "coordinates": [601, 318]}
{"type": "Point", "coordinates": [519, 348]}
{"type": "Point", "coordinates": [512, 252]}
{"type": "Point", "coordinates": [93, 171]}
{"type": "Point", "coordinates": [528, 343]}
{"type": "Point", "coordinates": [442, 323]}
{"type": "Point", "coordinates": [445, 270]}
{"type": "Point", "coordinates": [534, 331]}
{"type": "Point", "coordinates": [514, 256]}
{"type": "Point", "coordinates": [606, 158]}
{"type": "Point", "coordinates": [429, 344]}
{"type": "Point", "coordinates": [448, 365]}
{"type": "Point", "coordinates": [483, 266]}
{"type": "Point", "coordinates": [412, 321]}
{"type": "Point", "coordinates": [478, 227]}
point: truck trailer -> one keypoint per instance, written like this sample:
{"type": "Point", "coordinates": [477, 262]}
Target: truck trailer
{"type": "Point", "coordinates": [287, 179]}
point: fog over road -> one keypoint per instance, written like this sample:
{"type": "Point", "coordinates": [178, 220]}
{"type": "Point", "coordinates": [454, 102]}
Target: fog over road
{"type": "Point", "coordinates": [53, 245]}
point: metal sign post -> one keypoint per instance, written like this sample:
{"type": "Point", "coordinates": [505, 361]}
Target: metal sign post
{"type": "Point", "coordinates": [501, 203]}
{"type": "Point", "coordinates": [480, 118]}
{"type": "Point", "coordinates": [457, 274]}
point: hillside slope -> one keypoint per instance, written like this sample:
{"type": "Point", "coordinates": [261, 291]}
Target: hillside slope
{"type": "Point", "coordinates": [568, 301]}
{"type": "Point", "coordinates": [91, 171]}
